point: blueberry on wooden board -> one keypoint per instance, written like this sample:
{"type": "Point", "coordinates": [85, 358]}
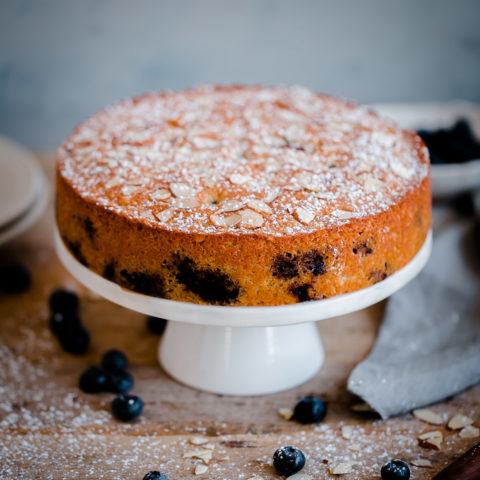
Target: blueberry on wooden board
{"type": "Point", "coordinates": [114, 360]}
{"type": "Point", "coordinates": [93, 380]}
{"type": "Point", "coordinates": [310, 410]}
{"type": "Point", "coordinates": [62, 322]}
{"type": "Point", "coordinates": [288, 460]}
{"type": "Point", "coordinates": [155, 475]}
{"type": "Point", "coordinates": [119, 382]}
{"type": "Point", "coordinates": [395, 470]}
{"type": "Point", "coordinates": [127, 407]}
{"type": "Point", "coordinates": [63, 300]}
{"type": "Point", "coordinates": [156, 325]}
{"type": "Point", "coordinates": [75, 340]}
{"type": "Point", "coordinates": [14, 278]}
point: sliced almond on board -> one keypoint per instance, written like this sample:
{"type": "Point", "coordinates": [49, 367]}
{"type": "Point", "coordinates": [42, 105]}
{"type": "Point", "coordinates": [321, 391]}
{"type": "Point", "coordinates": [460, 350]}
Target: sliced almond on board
{"type": "Point", "coordinates": [347, 431]}
{"type": "Point", "coordinates": [431, 439]}
{"type": "Point", "coordinates": [459, 421]}
{"type": "Point", "coordinates": [469, 432]}
{"type": "Point", "coordinates": [286, 413]}
{"type": "Point", "coordinates": [428, 416]}
{"type": "Point", "coordinates": [422, 462]}
{"type": "Point", "coordinates": [204, 454]}
{"type": "Point", "coordinates": [341, 468]}
{"type": "Point", "coordinates": [200, 469]}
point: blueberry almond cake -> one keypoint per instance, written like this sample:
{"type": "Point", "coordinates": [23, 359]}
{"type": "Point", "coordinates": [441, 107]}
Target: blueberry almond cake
{"type": "Point", "coordinates": [242, 195]}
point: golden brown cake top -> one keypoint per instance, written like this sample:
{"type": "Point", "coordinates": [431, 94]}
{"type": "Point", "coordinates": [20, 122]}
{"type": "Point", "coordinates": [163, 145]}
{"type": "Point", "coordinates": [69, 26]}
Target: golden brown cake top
{"type": "Point", "coordinates": [274, 161]}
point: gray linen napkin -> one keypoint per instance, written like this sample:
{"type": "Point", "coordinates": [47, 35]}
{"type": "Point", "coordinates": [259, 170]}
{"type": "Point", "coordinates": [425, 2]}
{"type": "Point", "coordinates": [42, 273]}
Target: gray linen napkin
{"type": "Point", "coordinates": [428, 347]}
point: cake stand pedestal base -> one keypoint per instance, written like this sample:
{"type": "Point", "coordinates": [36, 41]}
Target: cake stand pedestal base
{"type": "Point", "coordinates": [241, 361]}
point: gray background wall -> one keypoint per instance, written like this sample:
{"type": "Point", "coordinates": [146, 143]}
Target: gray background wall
{"type": "Point", "coordinates": [61, 60]}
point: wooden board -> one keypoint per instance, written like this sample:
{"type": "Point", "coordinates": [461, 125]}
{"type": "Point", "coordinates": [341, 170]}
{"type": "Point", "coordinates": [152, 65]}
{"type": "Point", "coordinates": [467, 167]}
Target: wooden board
{"type": "Point", "coordinates": [49, 429]}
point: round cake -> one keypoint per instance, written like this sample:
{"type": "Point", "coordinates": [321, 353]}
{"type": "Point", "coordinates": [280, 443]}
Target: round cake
{"type": "Point", "coordinates": [242, 195]}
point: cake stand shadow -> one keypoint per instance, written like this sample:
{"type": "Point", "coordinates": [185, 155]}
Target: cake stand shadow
{"type": "Point", "coordinates": [242, 350]}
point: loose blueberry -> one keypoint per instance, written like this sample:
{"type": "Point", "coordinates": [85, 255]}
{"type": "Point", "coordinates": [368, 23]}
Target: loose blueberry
{"type": "Point", "coordinates": [93, 380]}
{"type": "Point", "coordinates": [114, 361]}
{"type": "Point", "coordinates": [75, 340]}
{"type": "Point", "coordinates": [310, 410]}
{"type": "Point", "coordinates": [127, 407]}
{"type": "Point", "coordinates": [395, 470]}
{"type": "Point", "coordinates": [155, 475]}
{"type": "Point", "coordinates": [14, 278]}
{"type": "Point", "coordinates": [62, 322]}
{"type": "Point", "coordinates": [156, 325]}
{"type": "Point", "coordinates": [119, 382]}
{"type": "Point", "coordinates": [288, 460]}
{"type": "Point", "coordinates": [62, 300]}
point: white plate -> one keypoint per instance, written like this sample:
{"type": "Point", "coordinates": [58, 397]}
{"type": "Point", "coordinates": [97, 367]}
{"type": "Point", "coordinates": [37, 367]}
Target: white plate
{"type": "Point", "coordinates": [19, 180]}
{"type": "Point", "coordinates": [29, 218]}
{"type": "Point", "coordinates": [232, 316]}
{"type": "Point", "coordinates": [450, 179]}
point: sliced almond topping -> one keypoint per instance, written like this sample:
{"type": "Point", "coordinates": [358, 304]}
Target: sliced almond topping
{"type": "Point", "coordinates": [399, 169]}
{"type": "Point", "coordinates": [459, 421]}
{"type": "Point", "coordinates": [300, 476]}
{"type": "Point", "coordinates": [231, 206]}
{"type": "Point", "coordinates": [251, 218]}
{"type": "Point", "coordinates": [272, 195]}
{"type": "Point", "coordinates": [431, 439]}
{"type": "Point", "coordinates": [354, 447]}
{"type": "Point", "coordinates": [113, 182]}
{"type": "Point", "coordinates": [422, 462]}
{"type": "Point", "coordinates": [182, 190]}
{"type": "Point", "coordinates": [161, 194]}
{"type": "Point", "coordinates": [274, 141]}
{"type": "Point", "coordinates": [343, 214]}
{"type": "Point", "coordinates": [372, 184]}
{"type": "Point", "coordinates": [129, 189]}
{"type": "Point", "coordinates": [347, 431]}
{"type": "Point", "coordinates": [304, 216]}
{"type": "Point", "coordinates": [205, 142]}
{"type": "Point", "coordinates": [286, 413]}
{"type": "Point", "coordinates": [200, 469]}
{"type": "Point", "coordinates": [239, 179]}
{"type": "Point", "coordinates": [428, 416]}
{"type": "Point", "coordinates": [204, 454]}
{"type": "Point", "coordinates": [165, 215]}
{"type": "Point", "coordinates": [341, 468]}
{"type": "Point", "coordinates": [185, 203]}
{"type": "Point", "coordinates": [198, 440]}
{"type": "Point", "coordinates": [147, 214]}
{"type": "Point", "coordinates": [259, 206]}
{"type": "Point", "coordinates": [272, 165]}
{"type": "Point", "coordinates": [308, 182]}
{"type": "Point", "coordinates": [229, 221]}
{"type": "Point", "coordinates": [469, 432]}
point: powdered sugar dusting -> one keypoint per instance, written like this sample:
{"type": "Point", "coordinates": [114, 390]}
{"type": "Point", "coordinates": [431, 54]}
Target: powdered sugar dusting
{"type": "Point", "coordinates": [212, 145]}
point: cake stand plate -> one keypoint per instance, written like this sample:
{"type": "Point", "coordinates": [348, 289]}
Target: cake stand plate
{"type": "Point", "coordinates": [242, 350]}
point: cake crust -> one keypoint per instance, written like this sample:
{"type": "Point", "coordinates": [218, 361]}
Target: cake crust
{"type": "Point", "coordinates": [242, 195]}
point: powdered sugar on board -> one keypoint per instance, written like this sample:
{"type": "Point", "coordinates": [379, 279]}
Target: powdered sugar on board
{"type": "Point", "coordinates": [247, 145]}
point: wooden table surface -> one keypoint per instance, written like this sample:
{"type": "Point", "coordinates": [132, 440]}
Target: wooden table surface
{"type": "Point", "coordinates": [49, 429]}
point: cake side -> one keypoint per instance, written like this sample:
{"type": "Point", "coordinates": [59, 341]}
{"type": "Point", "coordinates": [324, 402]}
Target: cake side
{"type": "Point", "coordinates": [243, 269]}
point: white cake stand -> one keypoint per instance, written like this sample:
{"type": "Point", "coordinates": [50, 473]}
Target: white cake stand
{"type": "Point", "coordinates": [242, 350]}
